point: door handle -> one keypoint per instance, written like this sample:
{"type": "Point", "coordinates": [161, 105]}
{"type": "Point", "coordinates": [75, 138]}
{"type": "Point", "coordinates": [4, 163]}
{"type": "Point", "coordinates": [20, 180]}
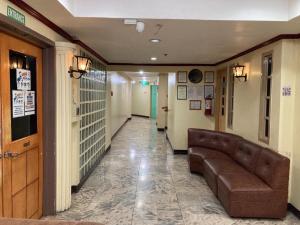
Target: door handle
{"type": "Point", "coordinates": [11, 155]}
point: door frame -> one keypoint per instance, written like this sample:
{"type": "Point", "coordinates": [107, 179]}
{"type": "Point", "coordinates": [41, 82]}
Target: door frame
{"type": "Point", "coordinates": [18, 45]}
{"type": "Point", "coordinates": [26, 34]}
{"type": "Point", "coordinates": [219, 73]}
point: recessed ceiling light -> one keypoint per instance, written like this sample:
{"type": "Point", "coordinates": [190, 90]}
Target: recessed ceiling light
{"type": "Point", "coordinates": [155, 40]}
{"type": "Point", "coordinates": [153, 58]}
{"type": "Point", "coordinates": [141, 72]}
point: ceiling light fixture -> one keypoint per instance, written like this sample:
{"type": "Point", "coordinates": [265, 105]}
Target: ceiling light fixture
{"type": "Point", "coordinates": [153, 58]}
{"type": "Point", "coordinates": [155, 40]}
{"type": "Point", "coordinates": [141, 72]}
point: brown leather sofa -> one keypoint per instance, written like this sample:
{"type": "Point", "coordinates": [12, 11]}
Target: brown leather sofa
{"type": "Point", "coordinates": [249, 180]}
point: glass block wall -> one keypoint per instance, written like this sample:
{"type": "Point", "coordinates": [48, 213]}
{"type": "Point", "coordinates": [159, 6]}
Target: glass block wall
{"type": "Point", "coordinates": [92, 112]}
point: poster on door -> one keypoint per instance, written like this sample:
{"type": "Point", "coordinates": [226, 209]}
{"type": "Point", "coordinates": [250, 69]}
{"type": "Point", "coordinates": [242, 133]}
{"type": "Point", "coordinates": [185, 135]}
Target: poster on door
{"type": "Point", "coordinates": [29, 103]}
{"type": "Point", "coordinates": [23, 79]}
{"type": "Point", "coordinates": [18, 108]}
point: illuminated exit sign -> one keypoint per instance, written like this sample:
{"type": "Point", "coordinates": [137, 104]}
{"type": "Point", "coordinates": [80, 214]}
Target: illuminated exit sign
{"type": "Point", "coordinates": [15, 15]}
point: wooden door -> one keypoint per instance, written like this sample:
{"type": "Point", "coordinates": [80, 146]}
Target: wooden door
{"type": "Point", "coordinates": [221, 90]}
{"type": "Point", "coordinates": [21, 127]}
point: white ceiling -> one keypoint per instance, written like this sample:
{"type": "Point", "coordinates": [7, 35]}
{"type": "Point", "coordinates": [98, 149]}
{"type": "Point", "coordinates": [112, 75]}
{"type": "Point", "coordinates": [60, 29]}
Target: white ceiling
{"type": "Point", "coordinates": [185, 41]}
{"type": "Point", "coordinates": [256, 10]}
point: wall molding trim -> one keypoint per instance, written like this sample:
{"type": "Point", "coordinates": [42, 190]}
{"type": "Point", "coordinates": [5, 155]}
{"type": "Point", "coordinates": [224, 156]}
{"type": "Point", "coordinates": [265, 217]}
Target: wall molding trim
{"type": "Point", "coordinates": [31, 11]}
{"type": "Point", "coordinates": [140, 115]}
{"type": "Point", "coordinates": [75, 189]}
{"type": "Point", "coordinates": [176, 151]}
{"type": "Point", "coordinates": [161, 64]}
{"type": "Point", "coordinates": [115, 134]}
{"type": "Point", "coordinates": [294, 210]}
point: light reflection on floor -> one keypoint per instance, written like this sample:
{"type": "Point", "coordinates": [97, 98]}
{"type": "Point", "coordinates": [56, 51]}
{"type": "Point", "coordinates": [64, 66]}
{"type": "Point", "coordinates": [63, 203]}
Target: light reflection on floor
{"type": "Point", "coordinates": [141, 182]}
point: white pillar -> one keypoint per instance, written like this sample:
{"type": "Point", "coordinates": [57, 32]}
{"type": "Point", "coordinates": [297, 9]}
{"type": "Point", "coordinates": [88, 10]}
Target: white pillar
{"type": "Point", "coordinates": [64, 57]}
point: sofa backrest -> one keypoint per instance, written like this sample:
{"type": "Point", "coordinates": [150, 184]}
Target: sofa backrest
{"type": "Point", "coordinates": [273, 168]}
{"type": "Point", "coordinates": [220, 141]}
{"type": "Point", "coordinates": [247, 154]}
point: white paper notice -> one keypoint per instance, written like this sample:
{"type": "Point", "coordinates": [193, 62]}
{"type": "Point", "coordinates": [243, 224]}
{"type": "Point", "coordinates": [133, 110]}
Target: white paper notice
{"type": "Point", "coordinates": [195, 92]}
{"type": "Point", "coordinates": [29, 102]}
{"type": "Point", "coordinates": [23, 79]}
{"type": "Point", "coordinates": [18, 103]}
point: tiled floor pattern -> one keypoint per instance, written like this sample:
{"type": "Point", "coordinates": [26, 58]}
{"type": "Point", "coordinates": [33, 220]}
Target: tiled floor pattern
{"type": "Point", "coordinates": [141, 182]}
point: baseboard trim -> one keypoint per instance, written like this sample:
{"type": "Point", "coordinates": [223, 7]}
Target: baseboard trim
{"type": "Point", "coordinates": [179, 152]}
{"type": "Point", "coordinates": [176, 151]}
{"type": "Point", "coordinates": [140, 116]}
{"type": "Point", "coordinates": [160, 129]}
{"type": "Point", "coordinates": [294, 210]}
{"type": "Point", "coordinates": [115, 134]}
{"type": "Point", "coordinates": [76, 189]}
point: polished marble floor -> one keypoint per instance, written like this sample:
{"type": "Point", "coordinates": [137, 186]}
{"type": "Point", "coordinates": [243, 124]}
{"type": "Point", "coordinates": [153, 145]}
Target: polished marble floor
{"type": "Point", "coordinates": [141, 182]}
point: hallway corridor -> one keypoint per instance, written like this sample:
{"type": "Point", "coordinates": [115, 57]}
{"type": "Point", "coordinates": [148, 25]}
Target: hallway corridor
{"type": "Point", "coordinates": [141, 182]}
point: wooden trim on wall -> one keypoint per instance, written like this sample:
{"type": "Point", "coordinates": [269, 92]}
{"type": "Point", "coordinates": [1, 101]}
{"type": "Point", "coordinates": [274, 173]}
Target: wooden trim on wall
{"type": "Point", "coordinates": [261, 45]}
{"type": "Point", "coordinates": [27, 8]}
{"type": "Point", "coordinates": [160, 64]}
{"type": "Point", "coordinates": [31, 11]}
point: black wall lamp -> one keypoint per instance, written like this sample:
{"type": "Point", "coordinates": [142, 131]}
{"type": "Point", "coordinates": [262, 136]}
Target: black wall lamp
{"type": "Point", "coordinates": [81, 66]}
{"type": "Point", "coordinates": [239, 71]}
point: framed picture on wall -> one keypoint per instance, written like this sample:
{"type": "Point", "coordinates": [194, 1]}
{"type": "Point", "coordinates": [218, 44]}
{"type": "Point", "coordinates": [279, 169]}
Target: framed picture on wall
{"type": "Point", "coordinates": [181, 92]}
{"type": "Point", "coordinates": [209, 91]}
{"type": "Point", "coordinates": [195, 104]}
{"type": "Point", "coordinates": [181, 77]}
{"type": "Point", "coordinates": [209, 77]}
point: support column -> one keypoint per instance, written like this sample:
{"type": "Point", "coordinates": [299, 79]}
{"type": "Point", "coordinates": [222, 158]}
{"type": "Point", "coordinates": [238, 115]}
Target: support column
{"type": "Point", "coordinates": [64, 57]}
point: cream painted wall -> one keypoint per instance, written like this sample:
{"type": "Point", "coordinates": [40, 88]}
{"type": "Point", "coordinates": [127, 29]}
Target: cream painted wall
{"type": "Point", "coordinates": [247, 96]}
{"type": "Point", "coordinates": [162, 100]}
{"type": "Point", "coordinates": [108, 112]}
{"type": "Point", "coordinates": [120, 104]}
{"type": "Point", "coordinates": [182, 118]}
{"type": "Point", "coordinates": [289, 115]}
{"type": "Point", "coordinates": [141, 99]}
{"type": "Point", "coordinates": [285, 125]}
{"type": "Point", "coordinates": [295, 173]}
{"type": "Point", "coordinates": [171, 107]}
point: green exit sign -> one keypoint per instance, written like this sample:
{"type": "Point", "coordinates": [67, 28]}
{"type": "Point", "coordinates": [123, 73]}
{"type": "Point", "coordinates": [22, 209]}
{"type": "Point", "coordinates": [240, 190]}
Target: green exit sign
{"type": "Point", "coordinates": [15, 15]}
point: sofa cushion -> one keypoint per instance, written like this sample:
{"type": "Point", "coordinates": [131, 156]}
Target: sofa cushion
{"type": "Point", "coordinates": [207, 153]}
{"type": "Point", "coordinates": [246, 187]}
{"type": "Point", "coordinates": [247, 154]}
{"type": "Point", "coordinates": [214, 167]}
{"type": "Point", "coordinates": [218, 166]}
{"type": "Point", "coordinates": [220, 141]}
{"type": "Point", "coordinates": [196, 156]}
{"type": "Point", "coordinates": [249, 196]}
{"type": "Point", "coordinates": [273, 169]}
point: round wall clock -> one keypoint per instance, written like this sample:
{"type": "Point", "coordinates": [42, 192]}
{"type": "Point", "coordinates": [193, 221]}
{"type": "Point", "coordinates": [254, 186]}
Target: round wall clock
{"type": "Point", "coordinates": [195, 76]}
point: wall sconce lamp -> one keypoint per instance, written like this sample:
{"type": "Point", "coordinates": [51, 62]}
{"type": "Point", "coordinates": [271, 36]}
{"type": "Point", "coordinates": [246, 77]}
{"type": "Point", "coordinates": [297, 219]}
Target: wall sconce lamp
{"type": "Point", "coordinates": [238, 71]}
{"type": "Point", "coordinates": [81, 66]}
